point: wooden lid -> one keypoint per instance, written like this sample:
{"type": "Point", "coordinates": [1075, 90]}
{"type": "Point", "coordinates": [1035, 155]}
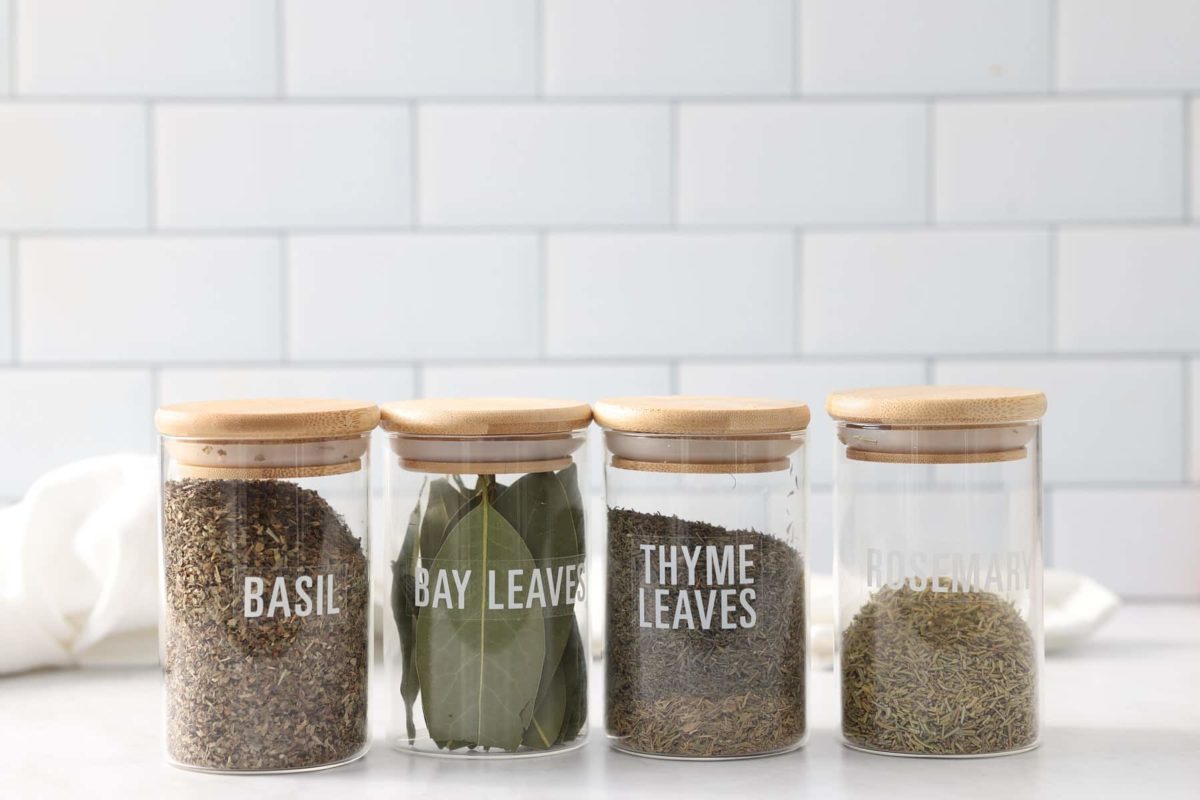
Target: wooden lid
{"type": "Point", "coordinates": [275, 419]}
{"type": "Point", "coordinates": [936, 405]}
{"type": "Point", "coordinates": [485, 416]}
{"type": "Point", "coordinates": [704, 416]}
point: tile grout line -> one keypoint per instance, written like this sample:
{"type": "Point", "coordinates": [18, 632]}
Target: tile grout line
{"type": "Point", "coordinates": [285, 314]}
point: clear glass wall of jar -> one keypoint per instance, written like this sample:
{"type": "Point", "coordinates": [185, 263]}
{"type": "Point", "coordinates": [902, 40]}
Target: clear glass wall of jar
{"type": "Point", "coordinates": [486, 644]}
{"type": "Point", "coordinates": [265, 622]}
{"type": "Point", "coordinates": [707, 643]}
{"type": "Point", "coordinates": [938, 552]}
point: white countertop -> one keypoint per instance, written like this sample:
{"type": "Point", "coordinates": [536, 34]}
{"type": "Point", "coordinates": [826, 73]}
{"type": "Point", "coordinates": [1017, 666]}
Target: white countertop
{"type": "Point", "coordinates": [1122, 721]}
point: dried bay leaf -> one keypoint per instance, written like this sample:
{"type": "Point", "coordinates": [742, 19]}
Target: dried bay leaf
{"type": "Point", "coordinates": [480, 667]}
{"type": "Point", "coordinates": [404, 610]}
{"type": "Point", "coordinates": [544, 728]}
{"type": "Point", "coordinates": [444, 502]}
{"type": "Point", "coordinates": [574, 670]}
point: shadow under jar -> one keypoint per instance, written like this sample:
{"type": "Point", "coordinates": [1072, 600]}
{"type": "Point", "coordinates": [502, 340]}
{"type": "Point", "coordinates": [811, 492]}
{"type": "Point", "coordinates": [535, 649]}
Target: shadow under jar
{"type": "Point", "coordinates": [486, 645]}
{"type": "Point", "coordinates": [938, 529]}
{"type": "Point", "coordinates": [266, 614]}
{"type": "Point", "coordinates": [706, 645]}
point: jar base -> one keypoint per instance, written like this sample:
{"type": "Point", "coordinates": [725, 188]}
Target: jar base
{"type": "Point", "coordinates": [616, 745]}
{"type": "Point", "coordinates": [402, 745]}
{"type": "Point", "coordinates": [951, 756]}
{"type": "Point", "coordinates": [284, 771]}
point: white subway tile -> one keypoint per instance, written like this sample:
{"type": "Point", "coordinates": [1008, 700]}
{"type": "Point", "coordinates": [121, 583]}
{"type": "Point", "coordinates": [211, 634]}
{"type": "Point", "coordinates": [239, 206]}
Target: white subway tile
{"type": "Point", "coordinates": [1132, 288]}
{"type": "Point", "coordinates": [6, 300]}
{"type": "Point", "coordinates": [543, 165]}
{"type": "Point", "coordinates": [413, 297]}
{"type": "Point", "coordinates": [372, 384]}
{"type": "Point", "coordinates": [807, 381]}
{"type": "Point", "coordinates": [411, 47]}
{"type": "Point", "coordinates": [6, 47]}
{"type": "Point", "coordinates": [52, 417]}
{"type": "Point", "coordinates": [72, 166]}
{"type": "Point", "coordinates": [1193, 412]}
{"type": "Point", "coordinates": [1137, 542]}
{"type": "Point", "coordinates": [924, 46]}
{"type": "Point", "coordinates": [1109, 420]}
{"type": "Point", "coordinates": [668, 47]}
{"type": "Point", "coordinates": [796, 163]}
{"type": "Point", "coordinates": [1129, 44]}
{"type": "Point", "coordinates": [149, 299]}
{"type": "Point", "coordinates": [820, 531]}
{"type": "Point", "coordinates": [146, 47]}
{"type": "Point", "coordinates": [669, 294]}
{"type": "Point", "coordinates": [1058, 160]}
{"type": "Point", "coordinates": [1194, 158]}
{"type": "Point", "coordinates": [925, 292]}
{"type": "Point", "coordinates": [246, 166]}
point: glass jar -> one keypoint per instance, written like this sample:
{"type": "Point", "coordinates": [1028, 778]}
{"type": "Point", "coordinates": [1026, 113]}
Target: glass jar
{"type": "Point", "coordinates": [707, 641]}
{"type": "Point", "coordinates": [265, 619]}
{"type": "Point", "coordinates": [486, 645]}
{"type": "Point", "coordinates": [938, 528]}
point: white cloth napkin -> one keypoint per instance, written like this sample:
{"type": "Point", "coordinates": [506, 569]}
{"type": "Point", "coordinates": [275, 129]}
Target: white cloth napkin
{"type": "Point", "coordinates": [79, 575]}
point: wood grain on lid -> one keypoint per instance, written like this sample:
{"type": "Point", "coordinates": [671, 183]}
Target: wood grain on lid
{"type": "Point", "coordinates": [485, 416]}
{"type": "Point", "coordinates": [268, 419]}
{"type": "Point", "coordinates": [701, 415]}
{"type": "Point", "coordinates": [936, 405]}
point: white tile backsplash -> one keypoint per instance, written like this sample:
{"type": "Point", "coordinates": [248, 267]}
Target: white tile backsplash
{"type": "Point", "coordinates": [411, 297]}
{"type": "Point", "coordinates": [640, 47]}
{"type": "Point", "coordinates": [387, 48]}
{"type": "Point", "coordinates": [661, 294]}
{"type": "Point", "coordinates": [807, 381]}
{"type": "Point", "coordinates": [924, 46]}
{"type": "Point", "coordinates": [1139, 542]}
{"type": "Point", "coordinates": [50, 417]}
{"type": "Point", "coordinates": [541, 165]}
{"type": "Point", "coordinates": [1056, 161]}
{"type": "Point", "coordinates": [146, 47]}
{"type": "Point", "coordinates": [144, 299]}
{"type": "Point", "coordinates": [298, 166]}
{"type": "Point", "coordinates": [1105, 273]}
{"type": "Point", "coordinates": [72, 166]}
{"type": "Point", "coordinates": [1129, 44]}
{"type": "Point", "coordinates": [926, 291]}
{"type": "Point", "coordinates": [1108, 420]}
{"type": "Point", "coordinates": [400, 197]}
{"type": "Point", "coordinates": [802, 163]}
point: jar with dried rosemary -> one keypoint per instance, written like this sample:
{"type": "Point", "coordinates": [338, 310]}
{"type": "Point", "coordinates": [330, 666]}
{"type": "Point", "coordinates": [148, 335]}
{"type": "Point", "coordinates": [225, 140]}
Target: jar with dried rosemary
{"type": "Point", "coordinates": [265, 624]}
{"type": "Point", "coordinates": [939, 547]}
{"type": "Point", "coordinates": [486, 646]}
{"type": "Point", "coordinates": [706, 640]}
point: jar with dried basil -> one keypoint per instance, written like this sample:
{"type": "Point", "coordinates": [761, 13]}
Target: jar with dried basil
{"type": "Point", "coordinates": [938, 528]}
{"type": "Point", "coordinates": [486, 642]}
{"type": "Point", "coordinates": [265, 626]}
{"type": "Point", "coordinates": [706, 644]}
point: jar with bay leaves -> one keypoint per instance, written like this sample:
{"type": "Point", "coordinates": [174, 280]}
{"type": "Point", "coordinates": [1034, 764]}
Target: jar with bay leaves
{"type": "Point", "coordinates": [706, 644]}
{"type": "Point", "coordinates": [265, 624]}
{"type": "Point", "coordinates": [938, 528]}
{"type": "Point", "coordinates": [486, 645]}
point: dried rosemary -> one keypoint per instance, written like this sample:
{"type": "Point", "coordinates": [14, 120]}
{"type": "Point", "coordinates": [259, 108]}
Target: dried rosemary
{"type": "Point", "coordinates": [266, 627]}
{"type": "Point", "coordinates": [706, 638]}
{"type": "Point", "coordinates": [939, 673]}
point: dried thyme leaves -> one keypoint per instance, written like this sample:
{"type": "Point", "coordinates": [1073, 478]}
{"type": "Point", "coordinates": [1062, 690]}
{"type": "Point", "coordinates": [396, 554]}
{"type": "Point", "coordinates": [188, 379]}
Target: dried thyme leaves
{"type": "Point", "coordinates": [252, 685]}
{"type": "Point", "coordinates": [699, 688]}
{"type": "Point", "coordinates": [939, 673]}
{"type": "Point", "coordinates": [483, 596]}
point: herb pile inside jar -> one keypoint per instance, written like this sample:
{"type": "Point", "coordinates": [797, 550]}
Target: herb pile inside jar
{"type": "Point", "coordinates": [939, 673]}
{"type": "Point", "coordinates": [706, 638]}
{"type": "Point", "coordinates": [266, 627]}
{"type": "Point", "coordinates": [483, 596]}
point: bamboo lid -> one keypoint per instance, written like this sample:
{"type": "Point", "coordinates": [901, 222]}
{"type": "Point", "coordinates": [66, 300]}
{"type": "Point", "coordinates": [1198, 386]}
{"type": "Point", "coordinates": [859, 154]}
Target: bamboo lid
{"type": "Point", "coordinates": [701, 416]}
{"type": "Point", "coordinates": [485, 416]}
{"type": "Point", "coordinates": [275, 419]}
{"type": "Point", "coordinates": [936, 405]}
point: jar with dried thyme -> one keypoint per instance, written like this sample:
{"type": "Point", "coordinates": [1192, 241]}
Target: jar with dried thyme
{"type": "Point", "coordinates": [486, 646]}
{"type": "Point", "coordinates": [265, 629]}
{"type": "Point", "coordinates": [938, 528]}
{"type": "Point", "coordinates": [706, 644]}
